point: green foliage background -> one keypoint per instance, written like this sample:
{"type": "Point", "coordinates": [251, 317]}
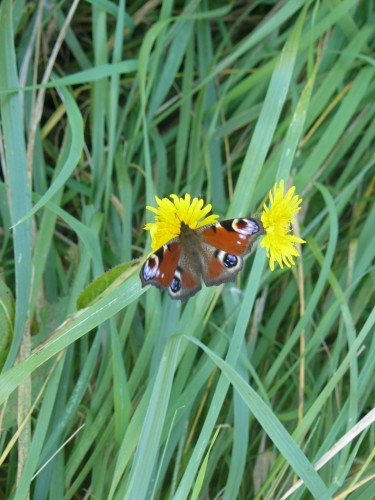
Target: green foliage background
{"type": "Point", "coordinates": [240, 391]}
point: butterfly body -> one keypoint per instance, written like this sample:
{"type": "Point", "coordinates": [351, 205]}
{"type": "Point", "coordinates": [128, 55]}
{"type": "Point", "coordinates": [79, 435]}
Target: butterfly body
{"type": "Point", "coordinates": [214, 253]}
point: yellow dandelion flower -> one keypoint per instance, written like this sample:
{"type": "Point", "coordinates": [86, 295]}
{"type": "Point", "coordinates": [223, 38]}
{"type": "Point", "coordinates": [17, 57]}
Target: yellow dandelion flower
{"type": "Point", "coordinates": [169, 215]}
{"type": "Point", "coordinates": [277, 221]}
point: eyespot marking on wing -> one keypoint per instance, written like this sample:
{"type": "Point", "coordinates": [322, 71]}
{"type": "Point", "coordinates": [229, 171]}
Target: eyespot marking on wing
{"type": "Point", "coordinates": [246, 226]}
{"type": "Point", "coordinates": [228, 260]}
{"type": "Point", "coordinates": [151, 266]}
{"type": "Point", "coordinates": [176, 283]}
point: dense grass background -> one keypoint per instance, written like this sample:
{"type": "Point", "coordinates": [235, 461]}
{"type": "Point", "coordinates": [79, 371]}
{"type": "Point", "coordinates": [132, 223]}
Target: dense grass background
{"type": "Point", "coordinates": [240, 391]}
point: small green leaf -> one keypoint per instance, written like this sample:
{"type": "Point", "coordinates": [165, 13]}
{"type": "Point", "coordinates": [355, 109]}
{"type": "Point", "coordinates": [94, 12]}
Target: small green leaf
{"type": "Point", "coordinates": [100, 284]}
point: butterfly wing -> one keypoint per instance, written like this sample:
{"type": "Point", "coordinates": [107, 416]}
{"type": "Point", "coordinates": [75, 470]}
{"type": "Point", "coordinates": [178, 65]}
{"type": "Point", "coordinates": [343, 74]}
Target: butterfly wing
{"type": "Point", "coordinates": [223, 246]}
{"type": "Point", "coordinates": [173, 269]}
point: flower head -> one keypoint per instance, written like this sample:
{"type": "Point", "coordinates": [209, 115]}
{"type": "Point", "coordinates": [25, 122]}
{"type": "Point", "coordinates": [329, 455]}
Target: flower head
{"type": "Point", "coordinates": [169, 215]}
{"type": "Point", "coordinates": [277, 221]}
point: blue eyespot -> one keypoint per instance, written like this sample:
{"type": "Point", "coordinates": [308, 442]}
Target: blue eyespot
{"type": "Point", "coordinates": [175, 286]}
{"type": "Point", "coordinates": [230, 260]}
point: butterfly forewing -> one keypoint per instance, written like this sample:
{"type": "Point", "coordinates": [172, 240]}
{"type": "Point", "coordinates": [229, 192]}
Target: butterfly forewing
{"type": "Point", "coordinates": [223, 245]}
{"type": "Point", "coordinates": [234, 236]}
{"type": "Point", "coordinates": [159, 269]}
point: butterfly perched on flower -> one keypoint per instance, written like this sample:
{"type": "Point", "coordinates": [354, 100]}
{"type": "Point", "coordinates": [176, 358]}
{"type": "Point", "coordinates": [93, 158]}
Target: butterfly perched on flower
{"type": "Point", "coordinates": [189, 246]}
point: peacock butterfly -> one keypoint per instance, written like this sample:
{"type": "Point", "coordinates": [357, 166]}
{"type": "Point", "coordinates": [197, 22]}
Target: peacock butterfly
{"type": "Point", "coordinates": [214, 252]}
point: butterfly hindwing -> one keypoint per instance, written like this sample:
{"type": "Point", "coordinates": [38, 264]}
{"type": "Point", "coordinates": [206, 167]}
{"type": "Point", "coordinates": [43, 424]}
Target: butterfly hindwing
{"type": "Point", "coordinates": [185, 284]}
{"type": "Point", "coordinates": [219, 266]}
{"type": "Point", "coordinates": [169, 268]}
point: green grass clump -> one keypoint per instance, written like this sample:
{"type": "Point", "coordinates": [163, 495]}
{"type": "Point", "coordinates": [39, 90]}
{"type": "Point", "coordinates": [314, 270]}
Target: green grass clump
{"type": "Point", "coordinates": [239, 392]}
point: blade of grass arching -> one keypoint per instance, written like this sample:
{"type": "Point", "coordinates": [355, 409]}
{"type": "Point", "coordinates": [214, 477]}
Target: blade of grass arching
{"type": "Point", "coordinates": [42, 245]}
{"type": "Point", "coordinates": [74, 328]}
{"type": "Point", "coordinates": [190, 380]}
{"type": "Point", "coordinates": [272, 426]}
{"type": "Point", "coordinates": [76, 124]}
{"type": "Point", "coordinates": [266, 125]}
{"type": "Point", "coordinates": [80, 77]}
{"type": "Point", "coordinates": [19, 194]}
{"type": "Point", "coordinates": [145, 460]}
{"type": "Point", "coordinates": [85, 234]}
